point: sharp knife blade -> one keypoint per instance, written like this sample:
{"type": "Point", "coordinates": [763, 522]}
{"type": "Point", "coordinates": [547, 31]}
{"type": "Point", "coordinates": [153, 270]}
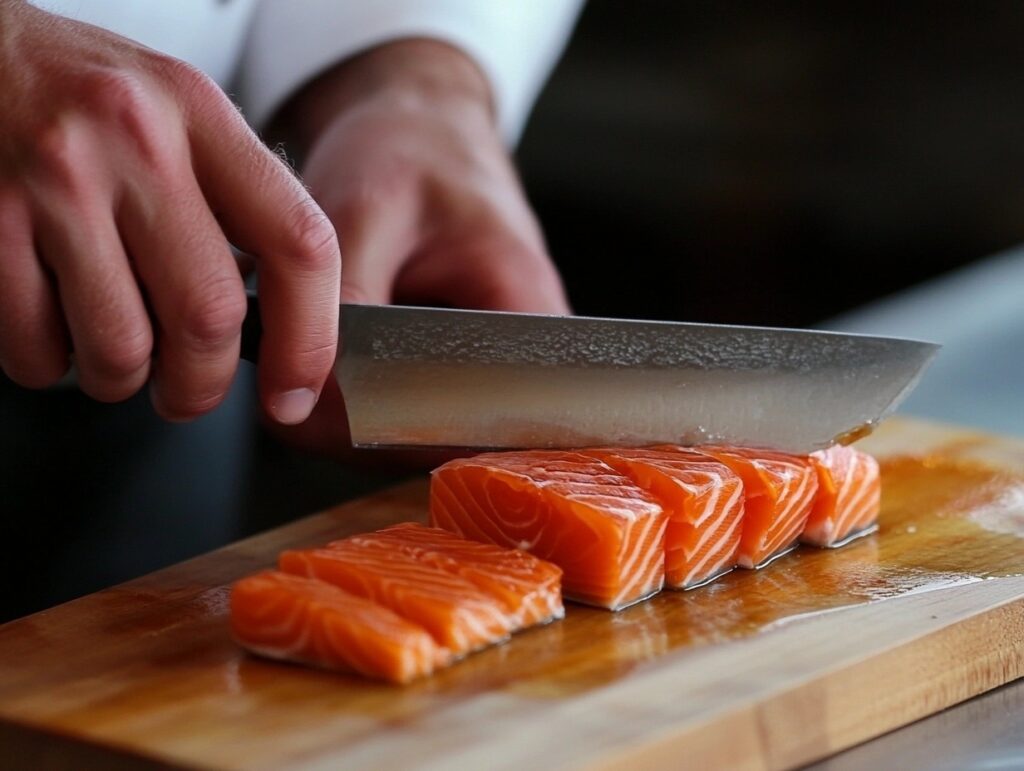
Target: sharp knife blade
{"type": "Point", "coordinates": [473, 379]}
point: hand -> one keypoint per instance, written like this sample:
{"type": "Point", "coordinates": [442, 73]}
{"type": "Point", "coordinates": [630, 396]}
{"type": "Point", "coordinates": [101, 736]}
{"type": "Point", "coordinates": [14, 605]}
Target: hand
{"type": "Point", "coordinates": [405, 158]}
{"type": "Point", "coordinates": [123, 175]}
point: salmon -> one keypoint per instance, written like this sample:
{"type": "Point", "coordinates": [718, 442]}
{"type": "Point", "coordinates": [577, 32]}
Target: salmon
{"type": "Point", "coordinates": [304, 620]}
{"type": "Point", "coordinates": [458, 615]}
{"type": "Point", "coordinates": [529, 588]}
{"type": "Point", "coordinates": [605, 533]}
{"type": "Point", "coordinates": [849, 496]}
{"type": "Point", "coordinates": [703, 500]}
{"type": "Point", "coordinates": [779, 490]}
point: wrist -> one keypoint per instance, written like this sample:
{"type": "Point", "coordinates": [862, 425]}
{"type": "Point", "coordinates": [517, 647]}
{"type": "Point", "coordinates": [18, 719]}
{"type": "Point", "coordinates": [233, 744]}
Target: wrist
{"type": "Point", "coordinates": [410, 75]}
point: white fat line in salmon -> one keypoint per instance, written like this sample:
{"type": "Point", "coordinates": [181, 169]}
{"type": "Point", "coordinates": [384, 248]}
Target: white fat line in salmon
{"type": "Point", "coordinates": [726, 510]}
{"type": "Point", "coordinates": [715, 550]}
{"type": "Point", "coordinates": [653, 565]}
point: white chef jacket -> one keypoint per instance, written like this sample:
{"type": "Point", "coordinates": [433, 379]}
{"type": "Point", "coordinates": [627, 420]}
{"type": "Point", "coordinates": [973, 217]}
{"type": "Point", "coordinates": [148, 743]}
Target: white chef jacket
{"type": "Point", "coordinates": [262, 51]}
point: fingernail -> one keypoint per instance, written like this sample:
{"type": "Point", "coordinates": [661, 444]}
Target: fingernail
{"type": "Point", "coordinates": [293, 407]}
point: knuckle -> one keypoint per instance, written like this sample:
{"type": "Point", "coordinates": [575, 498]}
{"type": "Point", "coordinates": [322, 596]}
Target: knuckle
{"type": "Point", "coordinates": [311, 238]}
{"type": "Point", "coordinates": [111, 92]}
{"type": "Point", "coordinates": [59, 150]}
{"type": "Point", "coordinates": [126, 103]}
{"type": "Point", "coordinates": [192, 85]}
{"type": "Point", "coordinates": [122, 358]}
{"type": "Point", "coordinates": [213, 313]}
{"type": "Point", "coordinates": [318, 357]}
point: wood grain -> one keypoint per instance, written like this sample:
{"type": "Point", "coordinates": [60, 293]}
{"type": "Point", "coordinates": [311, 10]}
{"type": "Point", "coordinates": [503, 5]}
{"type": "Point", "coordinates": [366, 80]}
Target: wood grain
{"type": "Point", "coordinates": [766, 669]}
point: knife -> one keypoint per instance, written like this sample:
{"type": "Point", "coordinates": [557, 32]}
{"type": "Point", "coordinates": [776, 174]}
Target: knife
{"type": "Point", "coordinates": [494, 380]}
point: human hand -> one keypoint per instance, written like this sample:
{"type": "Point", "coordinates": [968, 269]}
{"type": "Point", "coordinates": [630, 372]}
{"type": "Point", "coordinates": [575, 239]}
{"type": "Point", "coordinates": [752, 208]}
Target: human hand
{"type": "Point", "coordinates": [405, 158]}
{"type": "Point", "coordinates": [124, 173]}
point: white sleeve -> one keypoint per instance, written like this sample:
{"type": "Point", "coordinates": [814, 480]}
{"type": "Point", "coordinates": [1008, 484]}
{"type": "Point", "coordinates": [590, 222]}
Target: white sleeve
{"type": "Point", "coordinates": [515, 42]}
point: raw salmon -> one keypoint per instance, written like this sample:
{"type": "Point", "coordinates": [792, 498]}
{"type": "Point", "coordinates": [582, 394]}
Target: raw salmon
{"type": "Point", "coordinates": [778, 490]}
{"type": "Point", "coordinates": [605, 533]}
{"type": "Point", "coordinates": [849, 496]}
{"type": "Point", "coordinates": [457, 613]}
{"type": "Point", "coordinates": [703, 499]}
{"type": "Point", "coordinates": [529, 588]}
{"type": "Point", "coordinates": [301, 619]}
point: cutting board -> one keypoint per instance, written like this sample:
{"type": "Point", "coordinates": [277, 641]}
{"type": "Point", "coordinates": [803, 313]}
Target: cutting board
{"type": "Point", "coordinates": [767, 669]}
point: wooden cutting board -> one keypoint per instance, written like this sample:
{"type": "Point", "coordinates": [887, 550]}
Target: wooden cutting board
{"type": "Point", "coordinates": [768, 669]}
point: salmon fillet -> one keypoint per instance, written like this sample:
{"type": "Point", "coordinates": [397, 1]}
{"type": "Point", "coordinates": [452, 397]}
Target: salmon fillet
{"type": "Point", "coordinates": [301, 619]}
{"type": "Point", "coordinates": [849, 496]}
{"type": "Point", "coordinates": [458, 615]}
{"type": "Point", "coordinates": [703, 500]}
{"type": "Point", "coordinates": [605, 533]}
{"type": "Point", "coordinates": [779, 491]}
{"type": "Point", "coordinates": [529, 588]}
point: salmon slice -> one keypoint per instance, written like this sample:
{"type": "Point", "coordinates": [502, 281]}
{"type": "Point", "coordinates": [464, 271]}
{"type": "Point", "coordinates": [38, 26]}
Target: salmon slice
{"type": "Point", "coordinates": [703, 500]}
{"type": "Point", "coordinates": [457, 614]}
{"type": "Point", "coordinates": [308, 621]}
{"type": "Point", "coordinates": [529, 588]}
{"type": "Point", "coordinates": [779, 491]}
{"type": "Point", "coordinates": [849, 496]}
{"type": "Point", "coordinates": [605, 533]}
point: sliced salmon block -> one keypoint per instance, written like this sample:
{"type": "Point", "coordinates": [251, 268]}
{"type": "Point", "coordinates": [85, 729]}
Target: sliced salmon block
{"type": "Point", "coordinates": [529, 588]}
{"type": "Point", "coordinates": [778, 490]}
{"type": "Point", "coordinates": [300, 619]}
{"type": "Point", "coordinates": [457, 614]}
{"type": "Point", "coordinates": [605, 533]}
{"type": "Point", "coordinates": [849, 496]}
{"type": "Point", "coordinates": [703, 500]}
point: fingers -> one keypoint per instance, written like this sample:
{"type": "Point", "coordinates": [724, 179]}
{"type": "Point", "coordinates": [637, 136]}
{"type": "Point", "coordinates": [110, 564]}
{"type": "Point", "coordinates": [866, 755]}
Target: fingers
{"type": "Point", "coordinates": [378, 234]}
{"type": "Point", "coordinates": [266, 211]}
{"type": "Point", "coordinates": [488, 271]}
{"type": "Point", "coordinates": [33, 341]}
{"type": "Point", "coordinates": [103, 307]}
{"type": "Point", "coordinates": [195, 292]}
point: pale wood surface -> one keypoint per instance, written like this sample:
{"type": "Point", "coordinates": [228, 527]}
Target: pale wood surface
{"type": "Point", "coordinates": [760, 670]}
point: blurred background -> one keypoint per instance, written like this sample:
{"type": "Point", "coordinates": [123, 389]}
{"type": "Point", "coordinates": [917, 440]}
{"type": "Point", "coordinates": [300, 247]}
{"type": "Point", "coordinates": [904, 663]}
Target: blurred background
{"type": "Point", "coordinates": [709, 161]}
{"type": "Point", "coordinates": [753, 162]}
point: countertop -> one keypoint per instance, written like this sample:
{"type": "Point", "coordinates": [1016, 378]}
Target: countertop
{"type": "Point", "coordinates": [219, 479]}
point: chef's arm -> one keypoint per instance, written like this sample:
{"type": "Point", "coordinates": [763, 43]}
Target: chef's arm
{"type": "Point", "coordinates": [406, 149]}
{"type": "Point", "coordinates": [405, 138]}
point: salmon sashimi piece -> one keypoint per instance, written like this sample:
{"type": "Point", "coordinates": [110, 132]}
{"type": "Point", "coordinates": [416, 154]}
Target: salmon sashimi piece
{"type": "Point", "coordinates": [605, 533]}
{"type": "Point", "coordinates": [311, 622]}
{"type": "Point", "coordinates": [529, 588]}
{"type": "Point", "coordinates": [457, 614]}
{"type": "Point", "coordinates": [703, 499]}
{"type": "Point", "coordinates": [778, 491]}
{"type": "Point", "coordinates": [849, 496]}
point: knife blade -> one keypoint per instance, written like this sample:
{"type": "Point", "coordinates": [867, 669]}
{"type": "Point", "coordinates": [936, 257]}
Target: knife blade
{"type": "Point", "coordinates": [495, 380]}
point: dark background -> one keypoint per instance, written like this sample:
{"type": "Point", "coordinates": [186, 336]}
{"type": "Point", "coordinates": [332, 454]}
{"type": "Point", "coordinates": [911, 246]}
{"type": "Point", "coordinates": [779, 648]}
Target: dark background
{"type": "Point", "coordinates": [717, 161]}
{"type": "Point", "coordinates": [777, 163]}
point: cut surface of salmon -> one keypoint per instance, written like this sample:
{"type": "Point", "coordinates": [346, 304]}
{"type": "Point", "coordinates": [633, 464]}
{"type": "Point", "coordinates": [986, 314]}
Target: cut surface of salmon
{"type": "Point", "coordinates": [604, 532]}
{"type": "Point", "coordinates": [703, 500]}
{"type": "Point", "coordinates": [300, 619]}
{"type": "Point", "coordinates": [849, 496]}
{"type": "Point", "coordinates": [778, 491]}
{"type": "Point", "coordinates": [457, 614]}
{"type": "Point", "coordinates": [529, 588]}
